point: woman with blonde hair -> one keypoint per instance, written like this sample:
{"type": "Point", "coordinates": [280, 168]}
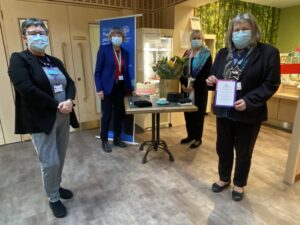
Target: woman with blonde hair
{"type": "Point", "coordinates": [193, 86]}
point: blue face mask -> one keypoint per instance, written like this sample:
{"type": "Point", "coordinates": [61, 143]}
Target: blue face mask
{"type": "Point", "coordinates": [241, 39]}
{"type": "Point", "coordinates": [38, 42]}
{"type": "Point", "coordinates": [117, 41]}
{"type": "Point", "coordinates": [196, 43]}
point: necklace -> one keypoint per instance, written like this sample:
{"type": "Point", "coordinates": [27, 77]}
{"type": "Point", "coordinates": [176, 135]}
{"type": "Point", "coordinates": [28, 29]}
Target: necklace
{"type": "Point", "coordinates": [44, 63]}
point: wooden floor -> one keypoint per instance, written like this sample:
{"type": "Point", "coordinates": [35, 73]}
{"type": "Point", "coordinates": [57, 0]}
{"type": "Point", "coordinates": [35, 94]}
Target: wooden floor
{"type": "Point", "coordinates": [115, 188]}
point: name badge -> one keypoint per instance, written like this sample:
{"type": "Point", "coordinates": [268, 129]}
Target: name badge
{"type": "Point", "coordinates": [121, 77]}
{"type": "Point", "coordinates": [238, 86]}
{"type": "Point", "coordinates": [52, 71]}
{"type": "Point", "coordinates": [58, 88]}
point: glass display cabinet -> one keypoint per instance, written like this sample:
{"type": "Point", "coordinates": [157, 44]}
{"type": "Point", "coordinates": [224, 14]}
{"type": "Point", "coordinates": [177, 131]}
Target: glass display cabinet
{"type": "Point", "coordinates": [152, 45]}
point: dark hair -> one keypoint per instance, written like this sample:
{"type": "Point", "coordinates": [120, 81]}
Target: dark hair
{"type": "Point", "coordinates": [33, 22]}
{"type": "Point", "coordinates": [117, 30]}
{"type": "Point", "coordinates": [255, 31]}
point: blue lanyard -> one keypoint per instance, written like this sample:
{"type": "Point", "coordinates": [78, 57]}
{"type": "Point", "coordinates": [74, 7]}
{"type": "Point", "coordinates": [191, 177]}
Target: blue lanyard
{"type": "Point", "coordinates": [240, 60]}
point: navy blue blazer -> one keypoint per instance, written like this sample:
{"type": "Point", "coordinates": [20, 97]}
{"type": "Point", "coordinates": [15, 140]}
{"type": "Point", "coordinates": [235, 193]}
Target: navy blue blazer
{"type": "Point", "coordinates": [105, 69]}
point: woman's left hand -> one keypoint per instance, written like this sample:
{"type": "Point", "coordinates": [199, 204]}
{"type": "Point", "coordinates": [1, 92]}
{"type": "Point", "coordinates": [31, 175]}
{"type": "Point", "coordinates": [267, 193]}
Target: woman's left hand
{"type": "Point", "coordinates": [187, 89]}
{"type": "Point", "coordinates": [134, 93]}
{"type": "Point", "coordinates": [65, 107]}
{"type": "Point", "coordinates": [240, 105]}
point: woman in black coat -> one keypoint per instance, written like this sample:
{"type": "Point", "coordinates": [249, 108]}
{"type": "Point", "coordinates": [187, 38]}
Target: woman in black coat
{"type": "Point", "coordinates": [44, 101]}
{"type": "Point", "coordinates": [256, 69]}
{"type": "Point", "coordinates": [194, 86]}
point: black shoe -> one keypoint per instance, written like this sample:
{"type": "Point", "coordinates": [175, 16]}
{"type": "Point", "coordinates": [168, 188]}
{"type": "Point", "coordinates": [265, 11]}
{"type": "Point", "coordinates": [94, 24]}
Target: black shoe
{"type": "Point", "coordinates": [58, 209]}
{"type": "Point", "coordinates": [105, 146]}
{"type": "Point", "coordinates": [218, 188]}
{"type": "Point", "coordinates": [186, 140]}
{"type": "Point", "coordinates": [118, 142]}
{"type": "Point", "coordinates": [65, 193]}
{"type": "Point", "coordinates": [196, 144]}
{"type": "Point", "coordinates": [237, 196]}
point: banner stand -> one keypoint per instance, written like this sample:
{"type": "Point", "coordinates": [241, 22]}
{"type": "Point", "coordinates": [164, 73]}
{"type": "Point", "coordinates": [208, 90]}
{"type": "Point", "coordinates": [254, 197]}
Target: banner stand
{"type": "Point", "coordinates": [128, 25]}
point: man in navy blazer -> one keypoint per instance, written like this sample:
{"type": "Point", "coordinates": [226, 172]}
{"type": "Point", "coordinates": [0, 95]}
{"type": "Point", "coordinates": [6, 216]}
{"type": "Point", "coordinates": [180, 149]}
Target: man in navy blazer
{"type": "Point", "coordinates": [112, 79]}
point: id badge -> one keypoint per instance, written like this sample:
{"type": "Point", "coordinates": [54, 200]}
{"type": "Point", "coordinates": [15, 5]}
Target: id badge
{"type": "Point", "coordinates": [121, 77]}
{"type": "Point", "coordinates": [239, 86]}
{"type": "Point", "coordinates": [52, 71]}
{"type": "Point", "coordinates": [58, 88]}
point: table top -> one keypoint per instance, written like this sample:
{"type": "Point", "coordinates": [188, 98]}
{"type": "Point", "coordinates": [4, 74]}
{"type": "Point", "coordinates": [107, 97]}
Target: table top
{"type": "Point", "coordinates": [130, 108]}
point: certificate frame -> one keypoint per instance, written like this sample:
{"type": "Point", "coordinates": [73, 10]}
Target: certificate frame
{"type": "Point", "coordinates": [231, 91]}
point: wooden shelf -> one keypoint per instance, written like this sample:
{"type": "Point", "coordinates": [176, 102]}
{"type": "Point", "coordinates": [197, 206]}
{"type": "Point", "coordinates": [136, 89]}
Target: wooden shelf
{"type": "Point", "coordinates": [286, 96]}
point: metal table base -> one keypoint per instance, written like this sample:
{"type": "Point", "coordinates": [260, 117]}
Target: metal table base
{"type": "Point", "coordinates": [155, 143]}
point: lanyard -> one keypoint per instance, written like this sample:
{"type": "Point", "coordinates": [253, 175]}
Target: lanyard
{"type": "Point", "coordinates": [119, 60]}
{"type": "Point", "coordinates": [49, 68]}
{"type": "Point", "coordinates": [241, 63]}
{"type": "Point", "coordinates": [238, 64]}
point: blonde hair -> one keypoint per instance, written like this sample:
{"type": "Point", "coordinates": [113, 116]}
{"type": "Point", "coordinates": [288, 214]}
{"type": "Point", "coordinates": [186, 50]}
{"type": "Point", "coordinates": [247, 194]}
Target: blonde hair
{"type": "Point", "coordinates": [200, 33]}
{"type": "Point", "coordinates": [255, 31]}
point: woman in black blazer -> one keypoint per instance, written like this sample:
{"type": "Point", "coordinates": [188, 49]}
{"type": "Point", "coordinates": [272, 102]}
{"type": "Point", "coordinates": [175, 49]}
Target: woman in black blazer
{"type": "Point", "coordinates": [44, 101]}
{"type": "Point", "coordinates": [256, 69]}
{"type": "Point", "coordinates": [194, 86]}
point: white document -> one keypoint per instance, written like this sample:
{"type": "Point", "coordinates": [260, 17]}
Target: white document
{"type": "Point", "coordinates": [195, 23]}
{"type": "Point", "coordinates": [225, 93]}
{"type": "Point", "coordinates": [190, 84]}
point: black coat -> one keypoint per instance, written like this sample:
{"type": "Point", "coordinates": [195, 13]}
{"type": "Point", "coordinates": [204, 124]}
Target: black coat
{"type": "Point", "coordinates": [200, 88]}
{"type": "Point", "coordinates": [260, 79]}
{"type": "Point", "coordinates": [35, 105]}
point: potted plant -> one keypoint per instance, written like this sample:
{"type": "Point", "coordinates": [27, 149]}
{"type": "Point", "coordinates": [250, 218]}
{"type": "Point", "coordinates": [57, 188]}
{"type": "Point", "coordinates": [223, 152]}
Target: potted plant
{"type": "Point", "coordinates": [169, 72]}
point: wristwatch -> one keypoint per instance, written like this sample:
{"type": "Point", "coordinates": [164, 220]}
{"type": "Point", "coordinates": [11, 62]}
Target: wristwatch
{"type": "Point", "coordinates": [73, 101]}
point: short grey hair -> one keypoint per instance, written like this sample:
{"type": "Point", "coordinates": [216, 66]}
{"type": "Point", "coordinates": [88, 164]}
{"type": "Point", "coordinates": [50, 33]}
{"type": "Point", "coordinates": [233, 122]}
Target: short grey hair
{"type": "Point", "coordinates": [32, 22]}
{"type": "Point", "coordinates": [255, 30]}
{"type": "Point", "coordinates": [117, 30]}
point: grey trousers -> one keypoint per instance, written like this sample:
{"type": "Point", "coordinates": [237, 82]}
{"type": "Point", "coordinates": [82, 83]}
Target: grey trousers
{"type": "Point", "coordinates": [51, 151]}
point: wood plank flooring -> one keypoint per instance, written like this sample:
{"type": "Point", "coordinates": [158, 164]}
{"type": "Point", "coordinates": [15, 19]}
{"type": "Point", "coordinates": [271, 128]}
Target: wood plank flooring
{"type": "Point", "coordinates": [116, 189]}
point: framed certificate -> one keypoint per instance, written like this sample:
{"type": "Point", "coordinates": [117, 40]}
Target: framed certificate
{"type": "Point", "coordinates": [225, 93]}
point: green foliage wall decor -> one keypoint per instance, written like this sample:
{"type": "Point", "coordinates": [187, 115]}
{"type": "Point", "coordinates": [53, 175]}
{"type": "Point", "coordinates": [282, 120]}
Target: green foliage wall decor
{"type": "Point", "coordinates": [215, 17]}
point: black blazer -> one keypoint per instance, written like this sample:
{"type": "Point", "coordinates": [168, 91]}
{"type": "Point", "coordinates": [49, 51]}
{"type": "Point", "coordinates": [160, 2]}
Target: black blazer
{"type": "Point", "coordinates": [35, 105]}
{"type": "Point", "coordinates": [200, 88]}
{"type": "Point", "coordinates": [260, 79]}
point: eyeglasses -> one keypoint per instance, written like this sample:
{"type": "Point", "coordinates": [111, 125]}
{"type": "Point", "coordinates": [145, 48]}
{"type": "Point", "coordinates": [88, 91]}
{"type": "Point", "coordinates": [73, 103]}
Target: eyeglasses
{"type": "Point", "coordinates": [36, 32]}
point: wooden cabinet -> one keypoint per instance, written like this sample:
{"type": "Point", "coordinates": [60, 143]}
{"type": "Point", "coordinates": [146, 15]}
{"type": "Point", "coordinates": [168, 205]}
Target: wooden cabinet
{"type": "Point", "coordinates": [282, 106]}
{"type": "Point", "coordinates": [7, 107]}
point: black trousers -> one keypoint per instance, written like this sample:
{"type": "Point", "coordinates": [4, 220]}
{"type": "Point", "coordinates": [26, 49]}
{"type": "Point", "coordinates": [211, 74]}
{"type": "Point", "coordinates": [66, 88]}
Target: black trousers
{"type": "Point", "coordinates": [241, 137]}
{"type": "Point", "coordinates": [113, 105]}
{"type": "Point", "coordinates": [194, 122]}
